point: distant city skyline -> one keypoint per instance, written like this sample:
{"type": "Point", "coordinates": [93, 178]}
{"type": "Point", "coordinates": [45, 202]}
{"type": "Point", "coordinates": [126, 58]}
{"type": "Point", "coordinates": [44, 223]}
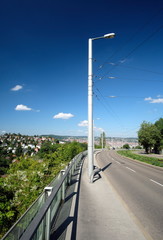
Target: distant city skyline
{"type": "Point", "coordinates": [44, 63]}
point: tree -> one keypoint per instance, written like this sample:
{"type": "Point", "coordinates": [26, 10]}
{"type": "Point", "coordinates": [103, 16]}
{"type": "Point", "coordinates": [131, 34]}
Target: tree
{"type": "Point", "coordinates": [19, 150]}
{"type": "Point", "coordinates": [126, 146]}
{"type": "Point", "coordinates": [8, 213]}
{"type": "Point", "coordinates": [148, 136]}
{"type": "Point", "coordinates": [159, 144]}
{"type": "Point", "coordinates": [159, 125]}
{"type": "Point", "coordinates": [48, 148]}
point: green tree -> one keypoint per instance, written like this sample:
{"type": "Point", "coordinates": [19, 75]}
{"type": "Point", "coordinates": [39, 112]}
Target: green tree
{"type": "Point", "coordinates": [8, 213]}
{"type": "Point", "coordinates": [27, 177]}
{"type": "Point", "coordinates": [47, 148]}
{"type": "Point", "coordinates": [19, 150]}
{"type": "Point", "coordinates": [159, 145]}
{"type": "Point", "coordinates": [126, 146]}
{"type": "Point", "coordinates": [148, 136]}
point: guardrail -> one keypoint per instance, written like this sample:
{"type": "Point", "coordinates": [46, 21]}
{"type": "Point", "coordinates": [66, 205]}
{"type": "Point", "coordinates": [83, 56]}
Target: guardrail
{"type": "Point", "coordinates": [36, 222]}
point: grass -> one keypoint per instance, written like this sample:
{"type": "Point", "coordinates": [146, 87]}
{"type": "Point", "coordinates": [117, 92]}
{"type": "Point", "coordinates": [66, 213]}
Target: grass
{"type": "Point", "coordinates": [150, 160]}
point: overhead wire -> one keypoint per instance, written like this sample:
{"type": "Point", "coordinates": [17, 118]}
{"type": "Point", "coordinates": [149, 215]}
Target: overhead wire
{"type": "Point", "coordinates": [132, 37]}
{"type": "Point", "coordinates": [106, 106]}
{"type": "Point", "coordinates": [115, 115]}
{"type": "Point", "coordinates": [113, 112]}
{"type": "Point", "coordinates": [144, 41]}
{"type": "Point", "coordinates": [98, 78]}
{"type": "Point", "coordinates": [137, 68]}
{"type": "Point", "coordinates": [129, 54]}
{"type": "Point", "coordinates": [138, 127]}
{"type": "Point", "coordinates": [133, 50]}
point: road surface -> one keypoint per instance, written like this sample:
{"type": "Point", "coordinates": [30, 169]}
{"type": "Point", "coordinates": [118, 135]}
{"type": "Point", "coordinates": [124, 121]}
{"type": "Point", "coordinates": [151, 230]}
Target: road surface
{"type": "Point", "coordinates": [140, 187]}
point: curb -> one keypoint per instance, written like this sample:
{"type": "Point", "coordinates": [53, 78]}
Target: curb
{"type": "Point", "coordinates": [144, 163]}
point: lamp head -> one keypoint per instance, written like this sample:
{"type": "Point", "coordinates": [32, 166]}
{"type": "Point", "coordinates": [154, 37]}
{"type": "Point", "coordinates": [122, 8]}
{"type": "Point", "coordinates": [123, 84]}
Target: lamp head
{"type": "Point", "coordinates": [109, 35]}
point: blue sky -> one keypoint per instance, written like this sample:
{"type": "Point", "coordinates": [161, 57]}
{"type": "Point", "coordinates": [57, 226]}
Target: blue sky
{"type": "Point", "coordinates": [43, 66]}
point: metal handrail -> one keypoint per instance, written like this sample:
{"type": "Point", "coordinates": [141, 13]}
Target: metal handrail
{"type": "Point", "coordinates": [43, 213]}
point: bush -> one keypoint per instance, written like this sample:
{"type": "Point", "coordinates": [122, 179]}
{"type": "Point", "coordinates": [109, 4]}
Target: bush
{"type": "Point", "coordinates": [27, 177]}
{"type": "Point", "coordinates": [8, 213]}
{"type": "Point", "coordinates": [126, 146]}
{"type": "Point", "coordinates": [150, 160]}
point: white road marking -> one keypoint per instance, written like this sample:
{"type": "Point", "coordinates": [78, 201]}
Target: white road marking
{"type": "Point", "coordinates": [117, 162]}
{"type": "Point", "coordinates": [131, 169]}
{"type": "Point", "coordinates": [156, 182]}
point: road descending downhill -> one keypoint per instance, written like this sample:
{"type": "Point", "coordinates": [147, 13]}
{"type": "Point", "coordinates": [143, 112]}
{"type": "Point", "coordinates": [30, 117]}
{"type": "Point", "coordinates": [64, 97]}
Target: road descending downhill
{"type": "Point", "coordinates": [140, 186]}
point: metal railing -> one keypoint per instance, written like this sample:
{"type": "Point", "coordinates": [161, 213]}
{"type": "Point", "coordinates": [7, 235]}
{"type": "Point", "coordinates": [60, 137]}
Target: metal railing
{"type": "Point", "coordinates": [36, 222]}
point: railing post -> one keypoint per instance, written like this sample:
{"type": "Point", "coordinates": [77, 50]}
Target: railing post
{"type": "Point", "coordinates": [74, 166]}
{"type": "Point", "coordinates": [69, 176]}
{"type": "Point", "coordinates": [48, 191]}
{"type": "Point", "coordinates": [63, 186]}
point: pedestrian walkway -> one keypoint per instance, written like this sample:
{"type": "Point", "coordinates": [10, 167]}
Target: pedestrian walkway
{"type": "Point", "coordinates": [97, 213]}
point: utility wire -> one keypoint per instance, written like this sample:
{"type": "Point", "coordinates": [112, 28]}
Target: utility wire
{"type": "Point", "coordinates": [138, 127]}
{"type": "Point", "coordinates": [105, 106]}
{"type": "Point", "coordinates": [127, 79]}
{"type": "Point", "coordinates": [133, 50]}
{"type": "Point", "coordinates": [131, 38]}
{"type": "Point", "coordinates": [141, 69]}
{"type": "Point", "coordinates": [144, 41]}
{"type": "Point", "coordinates": [125, 97]}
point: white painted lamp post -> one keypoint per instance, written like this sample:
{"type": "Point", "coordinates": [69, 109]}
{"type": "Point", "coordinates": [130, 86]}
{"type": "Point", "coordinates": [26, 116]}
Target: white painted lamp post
{"type": "Point", "coordinates": [90, 105]}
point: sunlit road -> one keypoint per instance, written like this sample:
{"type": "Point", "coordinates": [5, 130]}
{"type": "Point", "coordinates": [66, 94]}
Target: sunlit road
{"type": "Point", "coordinates": [140, 187]}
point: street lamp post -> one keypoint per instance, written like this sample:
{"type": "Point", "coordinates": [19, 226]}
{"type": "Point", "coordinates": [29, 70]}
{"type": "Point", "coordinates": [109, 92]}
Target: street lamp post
{"type": "Point", "coordinates": [90, 105]}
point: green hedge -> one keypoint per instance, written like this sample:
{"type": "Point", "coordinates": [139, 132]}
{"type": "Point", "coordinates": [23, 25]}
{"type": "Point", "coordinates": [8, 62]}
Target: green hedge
{"type": "Point", "coordinates": [150, 160]}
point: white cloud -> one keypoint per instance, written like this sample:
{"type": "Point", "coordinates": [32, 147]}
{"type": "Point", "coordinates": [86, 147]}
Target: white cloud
{"type": "Point", "coordinates": [148, 99]}
{"type": "Point", "coordinates": [98, 129]}
{"type": "Point", "coordinates": [16, 88]}
{"type": "Point", "coordinates": [22, 107]}
{"type": "Point", "coordinates": [83, 123]}
{"type": "Point", "coordinates": [63, 116]}
{"type": "Point", "coordinates": [159, 100]}
{"type": "Point", "coordinates": [154, 100]}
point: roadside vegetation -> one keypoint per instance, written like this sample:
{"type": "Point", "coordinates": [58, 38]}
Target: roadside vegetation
{"type": "Point", "coordinates": [150, 136]}
{"type": "Point", "coordinates": [24, 179]}
{"type": "Point", "coordinates": [150, 160]}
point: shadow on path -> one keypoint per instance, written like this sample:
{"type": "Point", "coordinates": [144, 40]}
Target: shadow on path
{"type": "Point", "coordinates": [59, 228]}
{"type": "Point", "coordinates": [104, 168]}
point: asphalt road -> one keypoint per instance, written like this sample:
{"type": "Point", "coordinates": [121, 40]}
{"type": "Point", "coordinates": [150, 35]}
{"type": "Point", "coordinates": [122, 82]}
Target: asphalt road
{"type": "Point", "coordinates": [139, 186]}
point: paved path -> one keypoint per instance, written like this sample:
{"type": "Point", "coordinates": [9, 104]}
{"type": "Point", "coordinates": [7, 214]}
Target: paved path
{"type": "Point", "coordinates": [101, 213]}
{"type": "Point", "coordinates": [140, 185]}
{"type": "Point", "coordinates": [94, 211]}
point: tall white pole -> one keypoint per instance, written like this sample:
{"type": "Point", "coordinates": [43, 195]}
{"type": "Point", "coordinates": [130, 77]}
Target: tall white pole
{"type": "Point", "coordinates": [102, 140]}
{"type": "Point", "coordinates": [90, 105]}
{"type": "Point", "coordinates": [90, 112]}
